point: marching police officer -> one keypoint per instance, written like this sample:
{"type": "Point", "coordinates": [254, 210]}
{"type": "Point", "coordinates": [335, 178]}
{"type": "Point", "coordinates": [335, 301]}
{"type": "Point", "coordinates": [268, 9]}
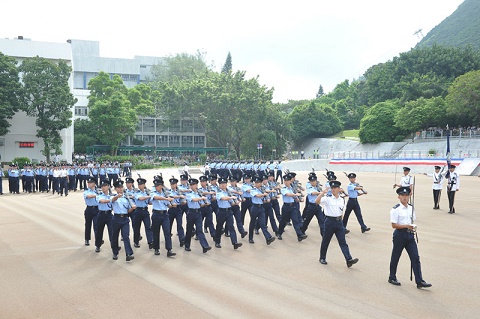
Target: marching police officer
{"type": "Point", "coordinates": [91, 211]}
{"type": "Point", "coordinates": [160, 218]}
{"type": "Point", "coordinates": [122, 206]}
{"type": "Point", "coordinates": [194, 217]}
{"type": "Point", "coordinates": [257, 213]}
{"type": "Point", "coordinates": [334, 205]}
{"type": "Point", "coordinates": [142, 199]}
{"type": "Point", "coordinates": [289, 209]}
{"type": "Point", "coordinates": [104, 217]}
{"type": "Point", "coordinates": [225, 215]}
{"type": "Point", "coordinates": [402, 217]}
{"type": "Point", "coordinates": [353, 192]}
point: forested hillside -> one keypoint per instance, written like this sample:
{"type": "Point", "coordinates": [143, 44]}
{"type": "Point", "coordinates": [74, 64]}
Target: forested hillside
{"type": "Point", "coordinates": [461, 28]}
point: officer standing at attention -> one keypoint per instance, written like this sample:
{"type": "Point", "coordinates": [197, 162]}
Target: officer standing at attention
{"type": "Point", "coordinates": [257, 213]}
{"type": "Point", "coordinates": [1, 177]}
{"type": "Point", "coordinates": [142, 199]}
{"type": "Point", "coordinates": [121, 207]}
{"type": "Point", "coordinates": [334, 205]}
{"type": "Point", "coordinates": [453, 186]}
{"type": "Point", "coordinates": [353, 204]}
{"type": "Point", "coordinates": [406, 180]}
{"type": "Point", "coordinates": [194, 217]}
{"type": "Point", "coordinates": [104, 217]}
{"type": "Point", "coordinates": [91, 211]}
{"type": "Point", "coordinates": [225, 215]}
{"type": "Point", "coordinates": [289, 210]}
{"type": "Point", "coordinates": [402, 217]}
{"type": "Point", "coordinates": [437, 186]}
{"type": "Point", "coordinates": [160, 218]}
{"type": "Point", "coordinates": [13, 179]}
{"type": "Point", "coordinates": [279, 172]}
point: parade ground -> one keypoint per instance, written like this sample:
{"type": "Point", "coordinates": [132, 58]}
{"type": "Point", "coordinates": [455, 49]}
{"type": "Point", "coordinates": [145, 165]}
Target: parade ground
{"type": "Point", "coordinates": [46, 271]}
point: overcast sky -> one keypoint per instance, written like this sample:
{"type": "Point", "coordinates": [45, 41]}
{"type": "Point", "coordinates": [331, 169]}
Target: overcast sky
{"type": "Point", "coordinates": [292, 46]}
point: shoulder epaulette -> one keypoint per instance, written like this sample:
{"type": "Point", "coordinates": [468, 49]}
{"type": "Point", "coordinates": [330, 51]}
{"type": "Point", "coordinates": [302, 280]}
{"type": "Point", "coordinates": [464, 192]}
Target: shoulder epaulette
{"type": "Point", "coordinates": [396, 206]}
{"type": "Point", "coordinates": [329, 195]}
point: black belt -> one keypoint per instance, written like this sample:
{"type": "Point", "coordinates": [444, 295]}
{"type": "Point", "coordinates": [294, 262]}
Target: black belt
{"type": "Point", "coordinates": [247, 198]}
{"type": "Point", "coordinates": [224, 209]}
{"type": "Point", "coordinates": [142, 208]}
{"type": "Point", "coordinates": [92, 206]}
{"type": "Point", "coordinates": [195, 210]}
{"type": "Point", "coordinates": [258, 205]}
{"type": "Point", "coordinates": [352, 198]}
{"type": "Point", "coordinates": [159, 211]}
{"type": "Point", "coordinates": [406, 230]}
{"type": "Point", "coordinates": [288, 204]}
{"type": "Point", "coordinates": [120, 215]}
{"type": "Point", "coordinates": [104, 211]}
{"type": "Point", "coordinates": [334, 218]}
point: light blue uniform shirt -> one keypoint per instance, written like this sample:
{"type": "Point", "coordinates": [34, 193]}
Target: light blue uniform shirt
{"type": "Point", "coordinates": [90, 201]}
{"type": "Point", "coordinates": [141, 203]}
{"type": "Point", "coordinates": [287, 190]}
{"type": "Point", "coordinates": [245, 188]}
{"type": "Point", "coordinates": [121, 206]}
{"type": "Point", "coordinates": [190, 203]}
{"type": "Point", "coordinates": [352, 192]}
{"type": "Point", "coordinates": [255, 199]}
{"type": "Point", "coordinates": [158, 204]}
{"type": "Point", "coordinates": [222, 203]}
{"type": "Point", "coordinates": [104, 206]}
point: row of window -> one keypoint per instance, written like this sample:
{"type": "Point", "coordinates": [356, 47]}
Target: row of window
{"type": "Point", "coordinates": [172, 140]}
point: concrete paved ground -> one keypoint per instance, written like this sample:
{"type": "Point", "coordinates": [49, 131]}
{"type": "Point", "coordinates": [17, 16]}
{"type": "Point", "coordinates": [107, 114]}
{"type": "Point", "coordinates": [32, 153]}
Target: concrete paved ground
{"type": "Point", "coordinates": [47, 272]}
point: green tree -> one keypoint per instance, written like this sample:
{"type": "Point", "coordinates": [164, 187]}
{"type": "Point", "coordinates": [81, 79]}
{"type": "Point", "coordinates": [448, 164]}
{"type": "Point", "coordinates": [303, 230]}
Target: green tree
{"type": "Point", "coordinates": [84, 135]}
{"type": "Point", "coordinates": [421, 114]}
{"type": "Point", "coordinates": [114, 109]}
{"type": "Point", "coordinates": [314, 120]}
{"type": "Point", "coordinates": [180, 67]}
{"type": "Point", "coordinates": [378, 124]}
{"type": "Point", "coordinates": [9, 91]}
{"type": "Point", "coordinates": [47, 97]}
{"type": "Point", "coordinates": [320, 92]}
{"type": "Point", "coordinates": [463, 98]}
{"type": "Point", "coordinates": [227, 67]}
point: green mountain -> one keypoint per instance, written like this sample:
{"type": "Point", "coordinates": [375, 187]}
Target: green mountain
{"type": "Point", "coordinates": [461, 28]}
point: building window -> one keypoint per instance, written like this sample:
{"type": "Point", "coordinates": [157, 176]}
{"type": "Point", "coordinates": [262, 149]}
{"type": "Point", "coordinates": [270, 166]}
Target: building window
{"type": "Point", "coordinates": [81, 111]}
{"type": "Point", "coordinates": [175, 126]}
{"type": "Point", "coordinates": [199, 141]}
{"type": "Point", "coordinates": [149, 125]}
{"type": "Point", "coordinates": [174, 140]}
{"type": "Point", "coordinates": [161, 125]}
{"type": "Point", "coordinates": [198, 127]}
{"type": "Point", "coordinates": [187, 141]}
{"type": "Point", "coordinates": [149, 139]}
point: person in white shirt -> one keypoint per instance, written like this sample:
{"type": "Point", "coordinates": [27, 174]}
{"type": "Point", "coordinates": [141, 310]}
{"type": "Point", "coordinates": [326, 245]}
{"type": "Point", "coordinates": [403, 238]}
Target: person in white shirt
{"type": "Point", "coordinates": [333, 208]}
{"type": "Point", "coordinates": [185, 169]}
{"type": "Point", "coordinates": [438, 179]}
{"type": "Point", "coordinates": [453, 186]}
{"type": "Point", "coordinates": [402, 217]}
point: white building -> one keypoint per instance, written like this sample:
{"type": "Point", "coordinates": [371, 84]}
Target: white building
{"type": "Point", "coordinates": [21, 141]}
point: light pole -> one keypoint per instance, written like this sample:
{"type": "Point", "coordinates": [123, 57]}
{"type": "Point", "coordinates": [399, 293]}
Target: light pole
{"type": "Point", "coordinates": [227, 149]}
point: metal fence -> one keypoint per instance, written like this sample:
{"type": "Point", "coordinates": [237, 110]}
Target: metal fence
{"type": "Point", "coordinates": [454, 133]}
{"type": "Point", "coordinates": [399, 154]}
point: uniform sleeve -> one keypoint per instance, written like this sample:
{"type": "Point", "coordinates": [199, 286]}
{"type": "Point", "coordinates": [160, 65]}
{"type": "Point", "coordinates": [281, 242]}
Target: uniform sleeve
{"type": "Point", "coordinates": [189, 196]}
{"type": "Point", "coordinates": [394, 216]}
{"type": "Point", "coordinates": [284, 191]}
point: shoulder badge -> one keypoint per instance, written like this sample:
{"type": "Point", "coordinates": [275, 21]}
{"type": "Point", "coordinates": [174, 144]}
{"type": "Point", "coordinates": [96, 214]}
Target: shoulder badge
{"type": "Point", "coordinates": [396, 206]}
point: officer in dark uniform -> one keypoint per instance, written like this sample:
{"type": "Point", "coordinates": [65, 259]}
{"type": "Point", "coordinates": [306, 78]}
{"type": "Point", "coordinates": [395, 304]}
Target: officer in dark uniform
{"type": "Point", "coordinates": [104, 217]}
{"type": "Point", "coordinates": [225, 215]}
{"type": "Point", "coordinates": [353, 192]}
{"type": "Point", "coordinates": [194, 217]}
{"type": "Point", "coordinates": [160, 218]}
{"type": "Point", "coordinates": [122, 206]}
{"type": "Point", "coordinates": [91, 211]}
{"type": "Point", "coordinates": [334, 205]}
{"type": "Point", "coordinates": [402, 217]}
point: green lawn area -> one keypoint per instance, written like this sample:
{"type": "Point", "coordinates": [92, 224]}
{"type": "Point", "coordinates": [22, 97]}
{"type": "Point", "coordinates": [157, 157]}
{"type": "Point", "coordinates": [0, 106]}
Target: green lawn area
{"type": "Point", "coordinates": [348, 134]}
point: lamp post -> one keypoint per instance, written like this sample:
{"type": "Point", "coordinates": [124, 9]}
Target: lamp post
{"type": "Point", "coordinates": [227, 149]}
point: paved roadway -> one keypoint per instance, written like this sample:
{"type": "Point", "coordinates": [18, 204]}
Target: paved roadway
{"type": "Point", "coordinates": [47, 272]}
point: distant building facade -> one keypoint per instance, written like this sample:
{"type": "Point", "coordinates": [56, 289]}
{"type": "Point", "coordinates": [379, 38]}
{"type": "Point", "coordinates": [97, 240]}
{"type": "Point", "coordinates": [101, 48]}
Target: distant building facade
{"type": "Point", "coordinates": [21, 141]}
{"type": "Point", "coordinates": [84, 58]}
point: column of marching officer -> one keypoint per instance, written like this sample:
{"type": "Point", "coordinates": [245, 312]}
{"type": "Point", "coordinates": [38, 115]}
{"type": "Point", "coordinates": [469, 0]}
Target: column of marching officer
{"type": "Point", "coordinates": [215, 207]}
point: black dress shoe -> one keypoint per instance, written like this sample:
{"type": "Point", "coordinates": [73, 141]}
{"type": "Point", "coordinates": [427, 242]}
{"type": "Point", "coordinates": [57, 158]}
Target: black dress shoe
{"type": "Point", "coordinates": [365, 229]}
{"type": "Point", "coordinates": [150, 245]}
{"type": "Point", "coordinates": [205, 249]}
{"type": "Point", "coordinates": [346, 231]}
{"type": "Point", "coordinates": [237, 245]}
{"type": "Point", "coordinates": [115, 257]}
{"type": "Point", "coordinates": [256, 232]}
{"type": "Point", "coordinates": [323, 262]}
{"type": "Point", "coordinates": [302, 237]}
{"type": "Point", "coordinates": [188, 249]}
{"type": "Point", "coordinates": [423, 284]}
{"type": "Point", "coordinates": [182, 242]}
{"type": "Point", "coordinates": [251, 241]}
{"type": "Point", "coordinates": [140, 238]}
{"type": "Point", "coordinates": [130, 257]}
{"type": "Point", "coordinates": [206, 231]}
{"type": "Point", "coordinates": [245, 233]}
{"type": "Point", "coordinates": [87, 243]}
{"type": "Point", "coordinates": [171, 253]}
{"type": "Point", "coordinates": [97, 249]}
{"type": "Point", "coordinates": [136, 245]}
{"type": "Point", "coordinates": [157, 252]}
{"type": "Point", "coordinates": [218, 245]}
{"type": "Point", "coordinates": [394, 282]}
{"type": "Point", "coordinates": [270, 240]}
{"type": "Point", "coordinates": [279, 236]}
{"type": "Point", "coordinates": [351, 262]}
